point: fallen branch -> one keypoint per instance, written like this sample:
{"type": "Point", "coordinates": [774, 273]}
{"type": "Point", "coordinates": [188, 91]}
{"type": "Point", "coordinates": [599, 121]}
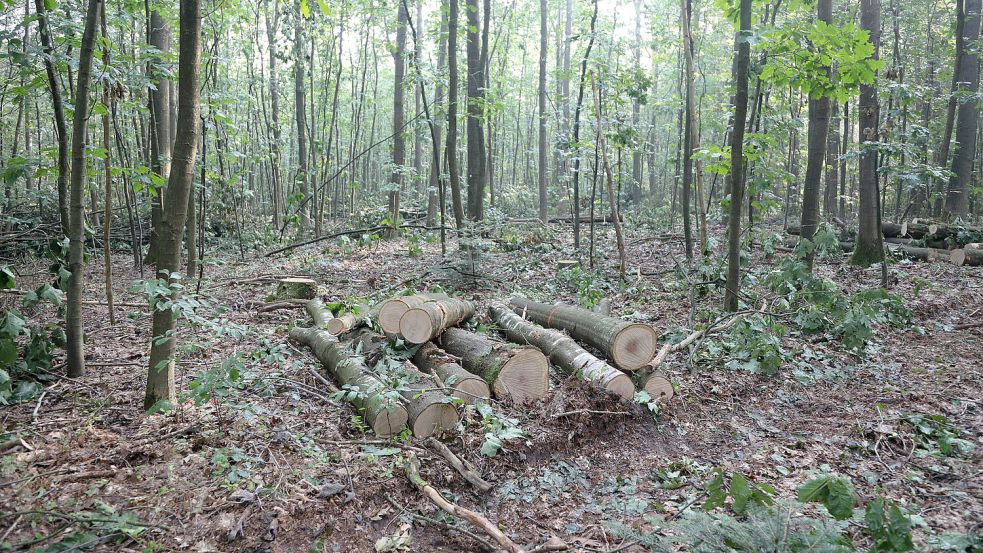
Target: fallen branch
{"type": "Point", "coordinates": [412, 467]}
{"type": "Point", "coordinates": [468, 474]}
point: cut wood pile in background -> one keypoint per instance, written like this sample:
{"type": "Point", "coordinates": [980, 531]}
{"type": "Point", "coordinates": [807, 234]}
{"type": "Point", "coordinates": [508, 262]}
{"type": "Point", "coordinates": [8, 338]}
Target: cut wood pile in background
{"type": "Point", "coordinates": [924, 241]}
{"type": "Point", "coordinates": [450, 366]}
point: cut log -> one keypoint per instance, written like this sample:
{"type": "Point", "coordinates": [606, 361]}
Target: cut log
{"type": "Point", "coordinates": [321, 315]}
{"type": "Point", "coordinates": [342, 324]}
{"type": "Point", "coordinates": [428, 319]}
{"type": "Point", "coordinates": [603, 307]}
{"type": "Point", "coordinates": [428, 408]}
{"type": "Point", "coordinates": [520, 374]}
{"type": "Point", "coordinates": [379, 404]}
{"type": "Point", "coordinates": [966, 256]}
{"type": "Point", "coordinates": [921, 254]}
{"type": "Point", "coordinates": [629, 345]}
{"type": "Point", "coordinates": [393, 309]}
{"type": "Point", "coordinates": [295, 288]}
{"type": "Point", "coordinates": [563, 352]}
{"type": "Point", "coordinates": [657, 385]}
{"type": "Point", "coordinates": [467, 386]}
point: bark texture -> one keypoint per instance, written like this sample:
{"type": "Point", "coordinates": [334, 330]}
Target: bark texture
{"type": "Point", "coordinates": [519, 374]}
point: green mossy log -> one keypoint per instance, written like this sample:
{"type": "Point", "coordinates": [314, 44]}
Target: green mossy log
{"type": "Point", "coordinates": [520, 374]}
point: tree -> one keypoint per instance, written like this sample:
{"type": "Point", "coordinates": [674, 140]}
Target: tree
{"type": "Point", "coordinates": [58, 108]}
{"type": "Point", "coordinates": [399, 140]}
{"type": "Point", "coordinates": [273, 124]}
{"type": "Point", "coordinates": [869, 247]}
{"type": "Point", "coordinates": [74, 328]}
{"type": "Point", "coordinates": [967, 120]}
{"type": "Point", "coordinates": [543, 33]}
{"type": "Point", "coordinates": [816, 147]}
{"type": "Point", "coordinates": [686, 14]}
{"type": "Point", "coordinates": [475, 109]}
{"type": "Point", "coordinates": [159, 37]}
{"type": "Point", "coordinates": [450, 153]}
{"type": "Point", "coordinates": [736, 175]}
{"type": "Point", "coordinates": [300, 109]}
{"type": "Point", "coordinates": [160, 378]}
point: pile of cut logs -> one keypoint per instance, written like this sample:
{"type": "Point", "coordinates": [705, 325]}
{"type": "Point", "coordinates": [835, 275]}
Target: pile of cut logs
{"type": "Point", "coordinates": [451, 362]}
{"type": "Point", "coordinates": [925, 241]}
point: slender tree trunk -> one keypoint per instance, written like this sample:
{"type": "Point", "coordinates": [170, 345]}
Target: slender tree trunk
{"type": "Point", "coordinates": [435, 195]}
{"type": "Point", "coordinates": [58, 108]}
{"type": "Point", "coordinates": [160, 378]}
{"type": "Point", "coordinates": [475, 110]}
{"type": "Point", "coordinates": [636, 115]}
{"type": "Point", "coordinates": [832, 166]}
{"type": "Point", "coordinates": [543, 47]}
{"type": "Point", "coordinates": [686, 9]}
{"type": "Point", "coordinates": [957, 196]}
{"type": "Point", "coordinates": [108, 98]}
{"type": "Point", "coordinates": [300, 108]}
{"type": "Point", "coordinates": [869, 247]}
{"type": "Point", "coordinates": [160, 117]}
{"type": "Point", "coordinates": [76, 247]}
{"type": "Point", "coordinates": [736, 175]}
{"type": "Point", "coordinates": [399, 141]}
{"type": "Point", "coordinates": [942, 157]}
{"type": "Point", "coordinates": [450, 154]}
{"type": "Point", "coordinates": [576, 129]}
{"type": "Point", "coordinates": [274, 122]}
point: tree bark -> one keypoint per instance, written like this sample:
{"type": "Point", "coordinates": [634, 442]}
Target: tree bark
{"type": "Point", "coordinates": [564, 352]}
{"type": "Point", "coordinates": [543, 46]}
{"type": "Point", "coordinates": [450, 154]}
{"type": "Point", "coordinates": [967, 120]}
{"type": "Point", "coordinates": [736, 176]}
{"type": "Point", "coordinates": [869, 247]}
{"type": "Point", "coordinates": [425, 321]}
{"type": "Point", "coordinates": [160, 380]}
{"type": "Point", "coordinates": [514, 373]}
{"type": "Point", "coordinates": [475, 111]}
{"type": "Point", "coordinates": [300, 109]}
{"type": "Point", "coordinates": [160, 125]}
{"type": "Point", "coordinates": [58, 107]}
{"type": "Point", "coordinates": [399, 140]}
{"type": "Point", "coordinates": [74, 329]}
{"type": "Point", "coordinates": [466, 386]}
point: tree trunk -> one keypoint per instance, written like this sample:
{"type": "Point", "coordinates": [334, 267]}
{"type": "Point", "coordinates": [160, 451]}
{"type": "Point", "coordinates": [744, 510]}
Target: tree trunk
{"type": "Point", "coordinates": [379, 404]}
{"type": "Point", "coordinates": [519, 374]}
{"type": "Point", "coordinates": [108, 98]}
{"type": "Point", "coordinates": [475, 110]}
{"type": "Point", "coordinates": [816, 148]}
{"type": "Point", "coordinates": [274, 123]}
{"type": "Point", "coordinates": [300, 109]}
{"type": "Point", "coordinates": [399, 140]}
{"type": "Point", "coordinates": [74, 330]}
{"type": "Point", "coordinates": [543, 46]}
{"type": "Point", "coordinates": [869, 247]}
{"type": "Point", "coordinates": [686, 9]}
{"type": "Point", "coordinates": [466, 386]}
{"type": "Point", "coordinates": [160, 125]}
{"type": "Point", "coordinates": [564, 352]}
{"type": "Point", "coordinates": [957, 196]}
{"type": "Point", "coordinates": [629, 345]}
{"type": "Point", "coordinates": [736, 176]}
{"type": "Point", "coordinates": [450, 154]}
{"type": "Point", "coordinates": [612, 199]}
{"type": "Point", "coordinates": [58, 107]}
{"type": "Point", "coordinates": [160, 381]}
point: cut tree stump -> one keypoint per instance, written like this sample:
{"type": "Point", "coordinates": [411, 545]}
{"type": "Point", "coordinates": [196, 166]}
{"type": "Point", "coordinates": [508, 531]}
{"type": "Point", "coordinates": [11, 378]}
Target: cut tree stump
{"type": "Point", "coordinates": [382, 410]}
{"type": "Point", "coordinates": [321, 315]}
{"type": "Point", "coordinates": [629, 345]}
{"type": "Point", "coordinates": [428, 408]}
{"type": "Point", "coordinates": [467, 386]}
{"type": "Point", "coordinates": [564, 352]}
{"type": "Point", "coordinates": [966, 256]}
{"type": "Point", "coordinates": [428, 319]}
{"type": "Point", "coordinates": [517, 373]}
{"type": "Point", "coordinates": [296, 288]}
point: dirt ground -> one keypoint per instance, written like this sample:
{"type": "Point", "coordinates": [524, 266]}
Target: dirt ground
{"type": "Point", "coordinates": [275, 464]}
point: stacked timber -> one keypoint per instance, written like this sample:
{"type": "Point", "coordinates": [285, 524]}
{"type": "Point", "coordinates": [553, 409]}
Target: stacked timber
{"type": "Point", "coordinates": [427, 319]}
{"type": "Point", "coordinates": [393, 309]}
{"type": "Point", "coordinates": [564, 352]}
{"type": "Point", "coordinates": [466, 386]}
{"type": "Point", "coordinates": [520, 374]}
{"type": "Point", "coordinates": [629, 345]}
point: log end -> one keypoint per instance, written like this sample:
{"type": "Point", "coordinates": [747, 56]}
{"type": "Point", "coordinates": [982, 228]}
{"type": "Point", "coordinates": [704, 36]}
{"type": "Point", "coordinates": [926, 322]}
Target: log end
{"type": "Point", "coordinates": [524, 377]}
{"type": "Point", "coordinates": [336, 327]}
{"type": "Point", "coordinates": [389, 315]}
{"type": "Point", "coordinates": [658, 387]}
{"type": "Point", "coordinates": [416, 326]}
{"type": "Point", "coordinates": [634, 346]}
{"type": "Point", "coordinates": [470, 389]}
{"type": "Point", "coordinates": [621, 386]}
{"type": "Point", "coordinates": [957, 257]}
{"type": "Point", "coordinates": [435, 418]}
{"type": "Point", "coordinates": [390, 422]}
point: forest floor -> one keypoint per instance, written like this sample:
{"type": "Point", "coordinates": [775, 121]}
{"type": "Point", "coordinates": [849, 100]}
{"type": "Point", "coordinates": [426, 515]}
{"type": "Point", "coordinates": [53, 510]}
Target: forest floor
{"type": "Point", "coordinates": [265, 460]}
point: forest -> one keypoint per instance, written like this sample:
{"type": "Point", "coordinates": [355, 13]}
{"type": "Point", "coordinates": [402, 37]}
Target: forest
{"type": "Point", "coordinates": [471, 275]}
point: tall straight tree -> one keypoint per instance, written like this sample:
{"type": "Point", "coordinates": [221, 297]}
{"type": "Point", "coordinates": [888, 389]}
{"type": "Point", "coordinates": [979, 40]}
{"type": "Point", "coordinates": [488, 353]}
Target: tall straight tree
{"type": "Point", "coordinates": [967, 120]}
{"type": "Point", "coordinates": [159, 36]}
{"type": "Point", "coordinates": [686, 11]}
{"type": "Point", "coordinates": [475, 109]}
{"type": "Point", "coordinates": [816, 148]}
{"type": "Point", "coordinates": [736, 175]}
{"type": "Point", "coordinates": [160, 377]}
{"type": "Point", "coordinates": [869, 247]}
{"type": "Point", "coordinates": [272, 19]}
{"type": "Point", "coordinates": [58, 108]}
{"type": "Point", "coordinates": [300, 108]}
{"type": "Point", "coordinates": [74, 329]}
{"type": "Point", "coordinates": [435, 197]}
{"type": "Point", "coordinates": [399, 140]}
{"type": "Point", "coordinates": [543, 47]}
{"type": "Point", "coordinates": [453, 170]}
{"type": "Point", "coordinates": [636, 114]}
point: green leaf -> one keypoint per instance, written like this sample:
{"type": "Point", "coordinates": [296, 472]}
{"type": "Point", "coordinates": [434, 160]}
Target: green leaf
{"type": "Point", "coordinates": [305, 9]}
{"type": "Point", "coordinates": [50, 5]}
{"type": "Point", "coordinates": [6, 278]}
{"type": "Point", "coordinates": [8, 351]}
{"type": "Point", "coordinates": [836, 494]}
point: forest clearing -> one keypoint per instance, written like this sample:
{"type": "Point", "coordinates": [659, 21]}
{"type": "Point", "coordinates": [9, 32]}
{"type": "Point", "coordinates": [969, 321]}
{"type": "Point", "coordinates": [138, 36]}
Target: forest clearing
{"type": "Point", "coordinates": [430, 275]}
